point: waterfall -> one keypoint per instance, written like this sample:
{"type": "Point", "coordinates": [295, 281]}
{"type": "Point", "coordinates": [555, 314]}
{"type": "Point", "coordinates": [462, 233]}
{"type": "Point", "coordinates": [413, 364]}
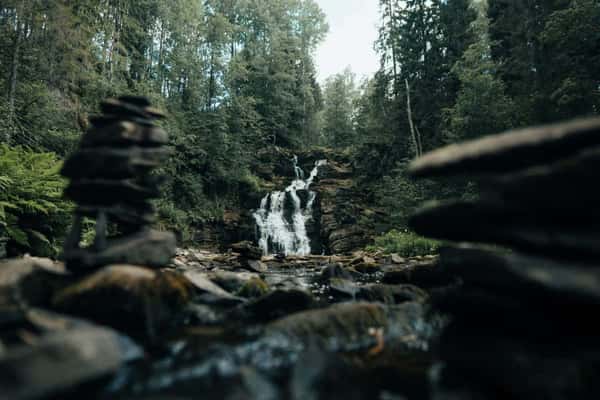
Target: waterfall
{"type": "Point", "coordinates": [281, 219]}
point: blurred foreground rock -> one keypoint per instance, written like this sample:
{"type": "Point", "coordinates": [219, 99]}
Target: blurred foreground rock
{"type": "Point", "coordinates": [523, 322]}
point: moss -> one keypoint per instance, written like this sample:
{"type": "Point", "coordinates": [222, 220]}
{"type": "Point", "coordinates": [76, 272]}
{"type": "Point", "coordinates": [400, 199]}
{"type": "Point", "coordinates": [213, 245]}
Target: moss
{"type": "Point", "coordinates": [405, 244]}
{"type": "Point", "coordinates": [255, 287]}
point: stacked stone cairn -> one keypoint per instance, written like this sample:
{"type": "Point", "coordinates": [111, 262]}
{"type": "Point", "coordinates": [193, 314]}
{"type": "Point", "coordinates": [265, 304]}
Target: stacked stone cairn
{"type": "Point", "coordinates": [111, 181]}
{"type": "Point", "coordinates": [524, 322]}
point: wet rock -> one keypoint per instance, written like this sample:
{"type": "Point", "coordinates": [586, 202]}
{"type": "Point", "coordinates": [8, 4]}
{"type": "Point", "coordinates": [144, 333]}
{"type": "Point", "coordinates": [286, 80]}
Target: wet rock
{"type": "Point", "coordinates": [512, 150]}
{"type": "Point", "coordinates": [344, 287]}
{"type": "Point", "coordinates": [63, 360]}
{"type": "Point", "coordinates": [137, 300]}
{"type": "Point", "coordinates": [247, 250]}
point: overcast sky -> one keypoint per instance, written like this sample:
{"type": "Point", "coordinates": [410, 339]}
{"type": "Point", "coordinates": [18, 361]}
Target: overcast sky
{"type": "Point", "coordinates": [352, 32]}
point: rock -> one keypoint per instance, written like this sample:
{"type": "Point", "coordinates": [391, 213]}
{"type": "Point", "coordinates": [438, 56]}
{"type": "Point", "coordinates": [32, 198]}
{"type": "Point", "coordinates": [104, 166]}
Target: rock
{"type": "Point", "coordinates": [253, 288]}
{"type": "Point", "coordinates": [528, 308]}
{"type": "Point", "coordinates": [231, 281]}
{"type": "Point", "coordinates": [391, 294]}
{"type": "Point", "coordinates": [481, 222]}
{"type": "Point", "coordinates": [136, 300]}
{"type": "Point", "coordinates": [367, 268]}
{"type": "Point", "coordinates": [275, 304]}
{"type": "Point", "coordinates": [344, 287]}
{"type": "Point", "coordinates": [534, 278]}
{"type": "Point", "coordinates": [210, 292]}
{"type": "Point", "coordinates": [247, 250]}
{"type": "Point", "coordinates": [342, 320]}
{"type": "Point", "coordinates": [148, 248]}
{"type": "Point", "coordinates": [336, 270]}
{"type": "Point", "coordinates": [397, 259]}
{"type": "Point", "coordinates": [63, 360]}
{"type": "Point", "coordinates": [425, 274]}
{"type": "Point", "coordinates": [511, 151]}
{"type": "Point", "coordinates": [111, 181]}
{"type": "Point", "coordinates": [255, 265]}
{"type": "Point", "coordinates": [29, 281]}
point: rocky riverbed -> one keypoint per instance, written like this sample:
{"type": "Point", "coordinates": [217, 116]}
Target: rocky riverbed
{"type": "Point", "coordinates": [222, 325]}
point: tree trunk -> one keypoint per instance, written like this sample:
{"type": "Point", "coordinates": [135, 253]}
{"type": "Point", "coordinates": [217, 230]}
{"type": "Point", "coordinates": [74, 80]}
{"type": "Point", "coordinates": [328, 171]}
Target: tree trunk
{"type": "Point", "coordinates": [415, 135]}
{"type": "Point", "coordinates": [14, 72]}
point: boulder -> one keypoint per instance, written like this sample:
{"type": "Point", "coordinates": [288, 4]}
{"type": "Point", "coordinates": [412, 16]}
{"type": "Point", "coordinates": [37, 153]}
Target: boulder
{"type": "Point", "coordinates": [137, 300]}
{"type": "Point", "coordinates": [210, 292]}
{"type": "Point", "coordinates": [65, 358]}
{"type": "Point", "coordinates": [29, 281]}
{"type": "Point", "coordinates": [247, 250]}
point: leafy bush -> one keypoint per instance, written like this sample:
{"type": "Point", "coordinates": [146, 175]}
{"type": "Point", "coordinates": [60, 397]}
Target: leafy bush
{"type": "Point", "coordinates": [406, 244]}
{"type": "Point", "coordinates": [33, 214]}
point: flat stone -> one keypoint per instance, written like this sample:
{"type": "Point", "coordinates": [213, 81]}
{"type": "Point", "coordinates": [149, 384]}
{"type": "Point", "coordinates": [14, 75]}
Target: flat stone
{"type": "Point", "coordinates": [255, 265]}
{"type": "Point", "coordinates": [141, 214]}
{"type": "Point", "coordinates": [109, 191]}
{"type": "Point", "coordinates": [536, 188]}
{"type": "Point", "coordinates": [563, 235]}
{"type": "Point", "coordinates": [147, 248]}
{"type": "Point", "coordinates": [511, 151]}
{"type": "Point", "coordinates": [123, 107]}
{"type": "Point", "coordinates": [524, 275]}
{"type": "Point", "coordinates": [113, 163]}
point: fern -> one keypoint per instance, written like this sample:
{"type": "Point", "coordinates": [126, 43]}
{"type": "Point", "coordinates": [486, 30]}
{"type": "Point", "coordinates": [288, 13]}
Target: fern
{"type": "Point", "coordinates": [33, 212]}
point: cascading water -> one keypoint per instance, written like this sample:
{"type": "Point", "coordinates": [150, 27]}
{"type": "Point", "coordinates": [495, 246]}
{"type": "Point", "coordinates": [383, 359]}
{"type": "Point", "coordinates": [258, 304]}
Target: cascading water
{"type": "Point", "coordinates": [283, 230]}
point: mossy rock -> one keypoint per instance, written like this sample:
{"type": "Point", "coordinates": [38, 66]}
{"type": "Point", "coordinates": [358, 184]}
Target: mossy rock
{"type": "Point", "coordinates": [253, 288]}
{"type": "Point", "coordinates": [139, 301]}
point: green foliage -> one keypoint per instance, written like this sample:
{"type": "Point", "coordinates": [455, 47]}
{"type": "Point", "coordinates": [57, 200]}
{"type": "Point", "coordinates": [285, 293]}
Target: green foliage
{"type": "Point", "coordinates": [481, 107]}
{"type": "Point", "coordinates": [339, 97]}
{"type": "Point", "coordinates": [33, 212]}
{"type": "Point", "coordinates": [404, 243]}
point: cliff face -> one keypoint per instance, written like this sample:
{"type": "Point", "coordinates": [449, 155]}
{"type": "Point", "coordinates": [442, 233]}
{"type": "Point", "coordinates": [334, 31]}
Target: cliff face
{"type": "Point", "coordinates": [342, 219]}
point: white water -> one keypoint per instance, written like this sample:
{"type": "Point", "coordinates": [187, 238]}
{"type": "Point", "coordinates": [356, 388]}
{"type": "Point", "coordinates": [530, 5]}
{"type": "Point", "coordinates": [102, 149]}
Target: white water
{"type": "Point", "coordinates": [278, 234]}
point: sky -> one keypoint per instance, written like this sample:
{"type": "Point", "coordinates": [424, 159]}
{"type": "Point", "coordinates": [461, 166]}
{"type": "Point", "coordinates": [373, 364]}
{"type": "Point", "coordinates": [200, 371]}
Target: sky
{"type": "Point", "coordinates": [353, 26]}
